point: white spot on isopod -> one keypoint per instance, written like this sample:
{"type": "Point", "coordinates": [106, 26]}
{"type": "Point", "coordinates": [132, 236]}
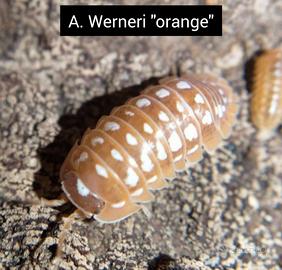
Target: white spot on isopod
{"type": "Point", "coordinates": [172, 125]}
{"type": "Point", "coordinates": [83, 156]}
{"type": "Point", "coordinates": [273, 107]}
{"type": "Point", "coordinates": [159, 134]}
{"type": "Point", "coordinates": [277, 73]}
{"type": "Point", "coordinates": [137, 192]}
{"type": "Point", "coordinates": [147, 146]}
{"type": "Point", "coordinates": [116, 155]}
{"type": "Point", "coordinates": [101, 171]}
{"type": "Point", "coordinates": [132, 178]}
{"type": "Point", "coordinates": [148, 128]}
{"type": "Point", "coordinates": [183, 85]}
{"type": "Point", "coordinates": [132, 162]}
{"type": "Point", "coordinates": [119, 204]}
{"type": "Point", "coordinates": [162, 155]}
{"type": "Point", "coordinates": [178, 158]}
{"type": "Point", "coordinates": [143, 102]}
{"type": "Point", "coordinates": [174, 142]}
{"type": "Point", "coordinates": [112, 126]}
{"type": "Point", "coordinates": [97, 140]}
{"type": "Point", "coordinates": [131, 139]}
{"type": "Point", "coordinates": [190, 132]}
{"type": "Point", "coordinates": [129, 113]}
{"type": "Point", "coordinates": [152, 179]}
{"type": "Point", "coordinates": [199, 99]}
{"type": "Point", "coordinates": [197, 111]}
{"type": "Point", "coordinates": [179, 107]}
{"type": "Point", "coordinates": [163, 116]}
{"type": "Point", "coordinates": [193, 149]}
{"type": "Point", "coordinates": [162, 93]}
{"type": "Point", "coordinates": [219, 110]}
{"type": "Point", "coordinates": [81, 188]}
{"type": "Point", "coordinates": [147, 164]}
{"type": "Point", "coordinates": [207, 118]}
{"type": "Point", "coordinates": [151, 145]}
{"type": "Point", "coordinates": [221, 91]}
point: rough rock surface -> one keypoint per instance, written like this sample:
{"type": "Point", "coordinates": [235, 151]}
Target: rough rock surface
{"type": "Point", "coordinates": [222, 213]}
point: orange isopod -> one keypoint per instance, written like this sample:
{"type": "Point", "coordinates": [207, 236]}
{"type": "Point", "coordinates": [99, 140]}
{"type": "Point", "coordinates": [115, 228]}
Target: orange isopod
{"type": "Point", "coordinates": [266, 103]}
{"type": "Point", "coordinates": [111, 172]}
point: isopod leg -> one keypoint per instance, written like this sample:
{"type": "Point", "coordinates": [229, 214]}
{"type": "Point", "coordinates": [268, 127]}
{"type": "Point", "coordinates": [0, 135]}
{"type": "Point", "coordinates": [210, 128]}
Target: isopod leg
{"type": "Point", "coordinates": [62, 199]}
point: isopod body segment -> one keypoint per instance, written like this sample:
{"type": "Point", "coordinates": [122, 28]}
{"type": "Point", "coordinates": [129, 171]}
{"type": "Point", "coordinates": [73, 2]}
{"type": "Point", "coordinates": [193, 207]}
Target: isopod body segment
{"type": "Point", "coordinates": [131, 152]}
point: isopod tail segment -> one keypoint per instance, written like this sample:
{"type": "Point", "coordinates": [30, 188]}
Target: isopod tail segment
{"type": "Point", "coordinates": [112, 172]}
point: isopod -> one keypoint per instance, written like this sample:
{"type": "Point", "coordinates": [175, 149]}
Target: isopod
{"type": "Point", "coordinates": [111, 172]}
{"type": "Point", "coordinates": [266, 103]}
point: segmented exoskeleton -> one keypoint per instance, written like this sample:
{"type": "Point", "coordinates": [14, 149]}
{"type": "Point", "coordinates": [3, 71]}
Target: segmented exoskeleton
{"type": "Point", "coordinates": [266, 103]}
{"type": "Point", "coordinates": [110, 173]}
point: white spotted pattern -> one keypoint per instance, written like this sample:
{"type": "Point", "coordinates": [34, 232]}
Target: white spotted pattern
{"type": "Point", "coordinates": [119, 204]}
{"type": "Point", "coordinates": [221, 91]}
{"type": "Point", "coordinates": [83, 156]}
{"type": "Point", "coordinates": [219, 111]}
{"type": "Point", "coordinates": [174, 142]}
{"type": "Point", "coordinates": [199, 99]}
{"type": "Point", "coordinates": [178, 158]}
{"type": "Point", "coordinates": [132, 178]}
{"type": "Point", "coordinates": [116, 155]}
{"type": "Point", "coordinates": [273, 106]}
{"type": "Point", "coordinates": [142, 142]}
{"type": "Point", "coordinates": [172, 125]}
{"type": "Point", "coordinates": [148, 129]}
{"type": "Point", "coordinates": [163, 116]}
{"type": "Point", "coordinates": [101, 170]}
{"type": "Point", "coordinates": [190, 132]}
{"type": "Point", "coordinates": [192, 150]}
{"type": "Point", "coordinates": [111, 126]}
{"type": "Point", "coordinates": [152, 179]}
{"type": "Point", "coordinates": [162, 155]}
{"type": "Point", "coordinates": [129, 113]}
{"type": "Point", "coordinates": [207, 118]}
{"type": "Point", "coordinates": [162, 93]}
{"type": "Point", "coordinates": [179, 107]}
{"type": "Point", "coordinates": [137, 192]}
{"type": "Point", "coordinates": [159, 134]}
{"type": "Point", "coordinates": [183, 85]}
{"type": "Point", "coordinates": [147, 164]}
{"type": "Point", "coordinates": [97, 140]}
{"type": "Point", "coordinates": [131, 139]}
{"type": "Point", "coordinates": [132, 162]}
{"type": "Point", "coordinates": [81, 188]}
{"type": "Point", "coordinates": [143, 102]}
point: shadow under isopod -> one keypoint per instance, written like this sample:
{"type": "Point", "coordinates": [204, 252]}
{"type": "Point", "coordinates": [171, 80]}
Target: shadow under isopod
{"type": "Point", "coordinates": [46, 181]}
